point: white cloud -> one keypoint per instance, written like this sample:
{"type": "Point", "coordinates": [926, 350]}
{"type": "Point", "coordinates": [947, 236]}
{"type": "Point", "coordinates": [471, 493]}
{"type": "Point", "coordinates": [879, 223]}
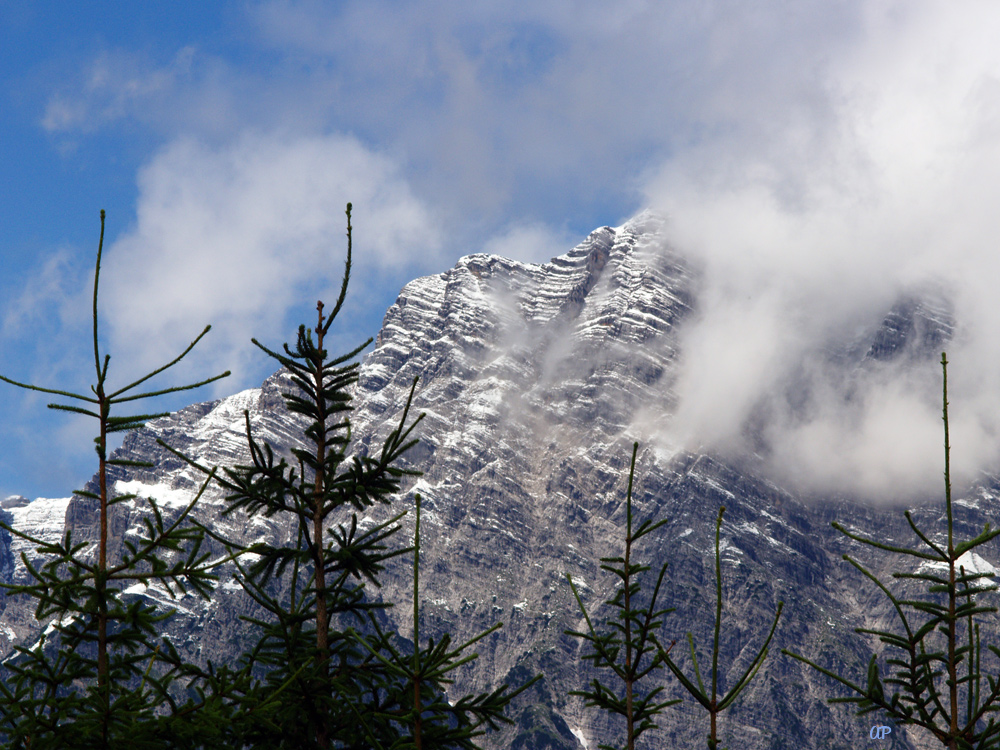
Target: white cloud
{"type": "Point", "coordinates": [807, 223]}
{"type": "Point", "coordinates": [530, 243]}
{"type": "Point", "coordinates": [517, 106]}
{"type": "Point", "coordinates": [541, 110]}
{"type": "Point", "coordinates": [239, 235]}
{"type": "Point", "coordinates": [117, 84]}
{"type": "Point", "coordinates": [55, 293]}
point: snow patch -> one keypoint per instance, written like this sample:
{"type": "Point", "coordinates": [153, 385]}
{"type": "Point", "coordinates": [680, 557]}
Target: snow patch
{"type": "Point", "coordinates": [43, 519]}
{"type": "Point", "coordinates": [578, 733]}
{"type": "Point", "coordinates": [752, 529]}
{"type": "Point", "coordinates": [163, 494]}
{"type": "Point", "coordinates": [710, 482]}
{"type": "Point", "coordinates": [972, 562]}
{"type": "Point", "coordinates": [228, 414]}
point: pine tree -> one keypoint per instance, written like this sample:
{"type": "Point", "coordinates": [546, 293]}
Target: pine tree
{"type": "Point", "coordinates": [633, 630]}
{"type": "Point", "coordinates": [313, 683]}
{"type": "Point", "coordinates": [923, 686]}
{"type": "Point", "coordinates": [711, 701]}
{"type": "Point", "coordinates": [629, 639]}
{"type": "Point", "coordinates": [413, 689]}
{"type": "Point", "coordinates": [100, 676]}
{"type": "Point", "coordinates": [312, 590]}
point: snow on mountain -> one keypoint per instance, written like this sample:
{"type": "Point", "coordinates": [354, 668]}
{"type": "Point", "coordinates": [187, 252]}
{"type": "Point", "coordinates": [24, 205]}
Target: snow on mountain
{"type": "Point", "coordinates": [535, 380]}
{"type": "Point", "coordinates": [43, 519]}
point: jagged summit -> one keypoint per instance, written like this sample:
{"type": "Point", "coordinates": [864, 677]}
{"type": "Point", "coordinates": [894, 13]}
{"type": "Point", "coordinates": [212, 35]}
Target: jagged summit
{"type": "Point", "coordinates": [648, 222]}
{"type": "Point", "coordinates": [917, 327]}
{"type": "Point", "coordinates": [533, 377]}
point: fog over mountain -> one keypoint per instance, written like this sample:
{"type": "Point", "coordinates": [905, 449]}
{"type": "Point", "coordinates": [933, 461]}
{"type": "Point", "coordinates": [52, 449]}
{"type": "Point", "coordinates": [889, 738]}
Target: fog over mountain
{"type": "Point", "coordinates": [535, 380]}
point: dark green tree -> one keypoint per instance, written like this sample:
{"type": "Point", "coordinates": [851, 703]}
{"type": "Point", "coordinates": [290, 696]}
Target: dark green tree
{"type": "Point", "coordinates": [311, 591]}
{"type": "Point", "coordinates": [415, 704]}
{"type": "Point", "coordinates": [925, 685]}
{"type": "Point", "coordinates": [100, 676]}
{"type": "Point", "coordinates": [628, 647]}
{"type": "Point", "coordinates": [711, 701]}
{"type": "Point", "coordinates": [631, 638]}
{"type": "Point", "coordinates": [324, 673]}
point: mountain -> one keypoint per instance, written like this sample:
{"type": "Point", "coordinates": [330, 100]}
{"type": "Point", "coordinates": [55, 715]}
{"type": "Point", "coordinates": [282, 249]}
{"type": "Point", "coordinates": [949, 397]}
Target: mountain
{"type": "Point", "coordinates": [535, 380]}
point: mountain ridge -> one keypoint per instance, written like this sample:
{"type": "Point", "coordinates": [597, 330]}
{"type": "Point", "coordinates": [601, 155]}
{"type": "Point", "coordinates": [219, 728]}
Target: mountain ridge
{"type": "Point", "coordinates": [535, 379]}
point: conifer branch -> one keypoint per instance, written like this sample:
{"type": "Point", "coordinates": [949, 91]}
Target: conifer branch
{"type": "Point", "coordinates": [347, 273]}
{"type": "Point", "coordinates": [98, 677]}
{"type": "Point", "coordinates": [917, 699]}
{"type": "Point", "coordinates": [171, 363]}
{"type": "Point", "coordinates": [97, 275]}
{"type": "Point", "coordinates": [175, 389]}
{"type": "Point", "coordinates": [40, 389]}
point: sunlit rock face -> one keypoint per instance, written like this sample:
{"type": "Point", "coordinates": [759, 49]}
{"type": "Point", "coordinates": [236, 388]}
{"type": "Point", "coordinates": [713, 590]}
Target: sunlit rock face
{"type": "Point", "coordinates": [534, 381]}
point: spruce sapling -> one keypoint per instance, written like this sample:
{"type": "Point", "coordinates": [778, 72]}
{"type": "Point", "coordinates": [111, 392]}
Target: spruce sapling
{"type": "Point", "coordinates": [316, 686]}
{"type": "Point", "coordinates": [423, 717]}
{"type": "Point", "coordinates": [629, 639]}
{"type": "Point", "coordinates": [711, 701]}
{"type": "Point", "coordinates": [923, 686]}
{"type": "Point", "coordinates": [100, 675]}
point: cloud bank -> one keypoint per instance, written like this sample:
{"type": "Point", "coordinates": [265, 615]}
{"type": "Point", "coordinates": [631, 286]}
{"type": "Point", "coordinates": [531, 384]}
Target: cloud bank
{"type": "Point", "coordinates": [250, 235]}
{"type": "Point", "coordinates": [876, 173]}
{"type": "Point", "coordinates": [816, 158]}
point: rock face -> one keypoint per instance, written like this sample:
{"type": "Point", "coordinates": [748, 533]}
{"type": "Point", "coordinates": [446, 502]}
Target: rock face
{"type": "Point", "coordinates": [533, 379]}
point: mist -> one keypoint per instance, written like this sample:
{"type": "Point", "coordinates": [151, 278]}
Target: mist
{"type": "Point", "coordinates": [810, 218]}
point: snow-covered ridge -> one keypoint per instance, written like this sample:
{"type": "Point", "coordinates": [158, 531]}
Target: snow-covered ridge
{"type": "Point", "coordinates": [163, 494]}
{"type": "Point", "coordinates": [972, 562]}
{"type": "Point", "coordinates": [44, 519]}
{"type": "Point", "coordinates": [535, 379]}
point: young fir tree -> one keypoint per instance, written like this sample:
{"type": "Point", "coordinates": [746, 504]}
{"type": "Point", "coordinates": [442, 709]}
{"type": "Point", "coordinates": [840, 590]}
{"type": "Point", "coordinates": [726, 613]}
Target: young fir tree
{"type": "Point", "coordinates": [634, 628]}
{"type": "Point", "coordinates": [936, 672]}
{"type": "Point", "coordinates": [100, 676]}
{"type": "Point", "coordinates": [323, 672]}
{"type": "Point", "coordinates": [413, 701]}
{"type": "Point", "coordinates": [630, 638]}
{"type": "Point", "coordinates": [711, 701]}
{"type": "Point", "coordinates": [316, 682]}
{"type": "Point", "coordinates": [311, 693]}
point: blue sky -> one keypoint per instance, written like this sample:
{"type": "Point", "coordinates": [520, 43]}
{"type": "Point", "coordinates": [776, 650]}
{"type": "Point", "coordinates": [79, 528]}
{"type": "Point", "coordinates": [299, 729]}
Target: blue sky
{"type": "Point", "coordinates": [823, 154]}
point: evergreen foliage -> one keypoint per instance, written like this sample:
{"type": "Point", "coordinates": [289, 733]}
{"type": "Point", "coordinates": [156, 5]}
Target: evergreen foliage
{"type": "Point", "coordinates": [711, 702]}
{"type": "Point", "coordinates": [324, 673]}
{"type": "Point", "coordinates": [630, 638]}
{"type": "Point", "coordinates": [310, 673]}
{"type": "Point", "coordinates": [100, 676]}
{"type": "Point", "coordinates": [924, 686]}
{"type": "Point", "coordinates": [633, 629]}
{"type": "Point", "coordinates": [415, 703]}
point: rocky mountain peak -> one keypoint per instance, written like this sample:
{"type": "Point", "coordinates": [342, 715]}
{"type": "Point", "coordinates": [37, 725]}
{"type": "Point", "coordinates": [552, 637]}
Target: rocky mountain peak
{"type": "Point", "coordinates": [532, 377]}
